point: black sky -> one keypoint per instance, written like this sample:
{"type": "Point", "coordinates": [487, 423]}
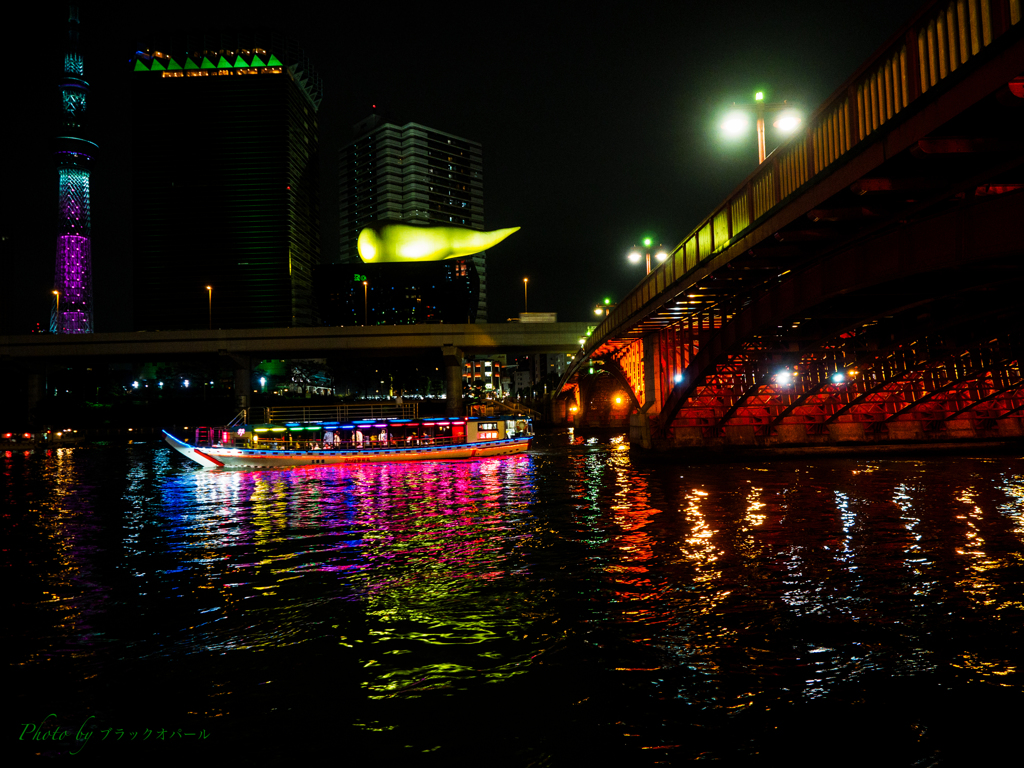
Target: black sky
{"type": "Point", "coordinates": [597, 125]}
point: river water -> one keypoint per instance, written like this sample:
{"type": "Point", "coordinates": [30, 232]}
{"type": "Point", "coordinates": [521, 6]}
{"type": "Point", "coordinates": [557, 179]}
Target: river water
{"type": "Point", "coordinates": [571, 606]}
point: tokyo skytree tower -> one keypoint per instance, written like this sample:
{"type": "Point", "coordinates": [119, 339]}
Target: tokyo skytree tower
{"type": "Point", "coordinates": [72, 285]}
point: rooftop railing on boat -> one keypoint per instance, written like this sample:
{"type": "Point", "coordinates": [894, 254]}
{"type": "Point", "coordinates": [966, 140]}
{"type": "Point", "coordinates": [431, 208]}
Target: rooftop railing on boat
{"type": "Point", "coordinates": [317, 413]}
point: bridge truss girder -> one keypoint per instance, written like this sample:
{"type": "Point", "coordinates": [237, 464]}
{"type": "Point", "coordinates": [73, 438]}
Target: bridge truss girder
{"type": "Point", "coordinates": [934, 303]}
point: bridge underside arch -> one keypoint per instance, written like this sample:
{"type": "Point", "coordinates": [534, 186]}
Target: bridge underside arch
{"type": "Point", "coordinates": [600, 399]}
{"type": "Point", "coordinates": [912, 335]}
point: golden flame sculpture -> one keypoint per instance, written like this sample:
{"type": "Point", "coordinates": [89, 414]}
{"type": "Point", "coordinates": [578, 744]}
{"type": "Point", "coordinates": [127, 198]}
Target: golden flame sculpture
{"type": "Point", "coordinates": [401, 242]}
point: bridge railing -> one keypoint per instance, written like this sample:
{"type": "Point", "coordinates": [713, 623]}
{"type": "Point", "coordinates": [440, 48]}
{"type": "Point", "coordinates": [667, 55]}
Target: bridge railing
{"type": "Point", "coordinates": [937, 42]}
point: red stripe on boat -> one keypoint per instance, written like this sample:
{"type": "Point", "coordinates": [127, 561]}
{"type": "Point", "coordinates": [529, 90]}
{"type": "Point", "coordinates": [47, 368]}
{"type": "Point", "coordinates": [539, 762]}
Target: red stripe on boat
{"type": "Point", "coordinates": [209, 458]}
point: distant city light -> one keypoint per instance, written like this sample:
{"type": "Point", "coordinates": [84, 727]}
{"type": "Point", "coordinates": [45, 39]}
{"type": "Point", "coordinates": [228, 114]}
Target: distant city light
{"type": "Point", "coordinates": [186, 382]}
{"type": "Point", "coordinates": [838, 377]}
{"type": "Point", "coordinates": [135, 384]}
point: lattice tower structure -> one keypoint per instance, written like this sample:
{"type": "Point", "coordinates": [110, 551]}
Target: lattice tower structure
{"type": "Point", "coordinates": [72, 308]}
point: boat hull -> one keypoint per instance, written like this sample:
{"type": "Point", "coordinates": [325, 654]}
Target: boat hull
{"type": "Point", "coordinates": [227, 458]}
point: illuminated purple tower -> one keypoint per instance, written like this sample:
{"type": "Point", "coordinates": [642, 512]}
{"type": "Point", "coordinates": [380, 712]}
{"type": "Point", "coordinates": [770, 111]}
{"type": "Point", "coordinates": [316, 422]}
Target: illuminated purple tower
{"type": "Point", "coordinates": [72, 301]}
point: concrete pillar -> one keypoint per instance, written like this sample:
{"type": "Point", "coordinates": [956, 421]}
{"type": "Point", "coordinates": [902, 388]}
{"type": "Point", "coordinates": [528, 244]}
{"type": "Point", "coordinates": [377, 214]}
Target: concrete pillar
{"type": "Point", "coordinates": [243, 378]}
{"type": "Point", "coordinates": [652, 375]}
{"type": "Point", "coordinates": [453, 357]}
{"type": "Point", "coordinates": [586, 385]}
{"type": "Point", "coordinates": [640, 431]}
{"type": "Point", "coordinates": [35, 391]}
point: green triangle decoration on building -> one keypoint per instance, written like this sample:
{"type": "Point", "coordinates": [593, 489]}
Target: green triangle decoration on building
{"type": "Point", "coordinates": [240, 62]}
{"type": "Point", "coordinates": [157, 66]}
{"type": "Point", "coordinates": [274, 61]}
{"type": "Point", "coordinates": [140, 67]}
{"type": "Point", "coordinates": [189, 64]}
{"type": "Point", "coordinates": [207, 64]}
{"type": "Point", "coordinates": [257, 61]}
{"type": "Point", "coordinates": [174, 65]}
{"type": "Point", "coordinates": [223, 63]}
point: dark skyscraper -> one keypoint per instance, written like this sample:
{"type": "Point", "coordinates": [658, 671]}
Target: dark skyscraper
{"type": "Point", "coordinates": [411, 174]}
{"type": "Point", "coordinates": [72, 283]}
{"type": "Point", "coordinates": [226, 183]}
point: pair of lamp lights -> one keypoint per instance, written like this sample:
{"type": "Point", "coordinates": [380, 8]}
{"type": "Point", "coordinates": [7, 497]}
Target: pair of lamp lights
{"type": "Point", "coordinates": [636, 256]}
{"type": "Point", "coordinates": [736, 123]}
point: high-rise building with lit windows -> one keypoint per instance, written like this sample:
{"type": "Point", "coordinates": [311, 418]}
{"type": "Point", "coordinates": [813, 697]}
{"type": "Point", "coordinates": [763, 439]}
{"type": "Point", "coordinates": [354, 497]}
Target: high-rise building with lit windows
{"type": "Point", "coordinates": [225, 182]}
{"type": "Point", "coordinates": [411, 174]}
{"type": "Point", "coordinates": [72, 310]}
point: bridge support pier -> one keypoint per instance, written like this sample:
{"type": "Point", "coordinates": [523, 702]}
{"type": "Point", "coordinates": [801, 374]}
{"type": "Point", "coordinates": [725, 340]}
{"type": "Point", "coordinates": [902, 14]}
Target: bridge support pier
{"type": "Point", "coordinates": [586, 385]}
{"type": "Point", "coordinates": [640, 431]}
{"type": "Point", "coordinates": [243, 378]}
{"type": "Point", "coordinates": [35, 391]}
{"type": "Point", "coordinates": [453, 357]}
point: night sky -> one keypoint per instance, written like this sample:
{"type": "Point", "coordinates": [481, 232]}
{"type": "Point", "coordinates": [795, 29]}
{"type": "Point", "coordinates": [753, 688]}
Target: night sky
{"type": "Point", "coordinates": [598, 126]}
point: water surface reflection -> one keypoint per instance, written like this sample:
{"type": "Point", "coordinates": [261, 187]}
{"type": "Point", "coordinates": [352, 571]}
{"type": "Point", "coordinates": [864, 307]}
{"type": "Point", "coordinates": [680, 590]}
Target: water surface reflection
{"type": "Point", "coordinates": [566, 605]}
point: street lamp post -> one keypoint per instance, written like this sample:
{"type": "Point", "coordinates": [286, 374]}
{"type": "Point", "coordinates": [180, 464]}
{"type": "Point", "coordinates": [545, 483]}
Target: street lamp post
{"type": "Point", "coordinates": [526, 303]}
{"type": "Point", "coordinates": [736, 121]}
{"type": "Point", "coordinates": [635, 255]}
{"type": "Point", "coordinates": [57, 294]}
{"type": "Point", "coordinates": [209, 291]}
{"type": "Point", "coordinates": [366, 303]}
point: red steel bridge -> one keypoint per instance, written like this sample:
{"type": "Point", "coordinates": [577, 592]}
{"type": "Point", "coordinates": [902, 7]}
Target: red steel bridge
{"type": "Point", "coordinates": [865, 284]}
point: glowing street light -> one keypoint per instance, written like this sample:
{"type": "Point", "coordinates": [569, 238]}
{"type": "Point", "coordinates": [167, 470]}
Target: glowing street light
{"type": "Point", "coordinates": [57, 294]}
{"type": "Point", "coordinates": [209, 291]}
{"type": "Point", "coordinates": [526, 303]}
{"type": "Point", "coordinates": [637, 253]}
{"type": "Point", "coordinates": [737, 120]}
{"type": "Point", "coordinates": [366, 302]}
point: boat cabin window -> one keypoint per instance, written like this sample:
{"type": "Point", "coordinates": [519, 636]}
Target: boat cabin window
{"type": "Point", "coordinates": [487, 430]}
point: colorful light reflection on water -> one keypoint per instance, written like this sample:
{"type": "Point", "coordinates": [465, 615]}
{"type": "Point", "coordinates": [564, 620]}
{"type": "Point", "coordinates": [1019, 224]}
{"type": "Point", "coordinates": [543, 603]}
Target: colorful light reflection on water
{"type": "Point", "coordinates": [566, 605]}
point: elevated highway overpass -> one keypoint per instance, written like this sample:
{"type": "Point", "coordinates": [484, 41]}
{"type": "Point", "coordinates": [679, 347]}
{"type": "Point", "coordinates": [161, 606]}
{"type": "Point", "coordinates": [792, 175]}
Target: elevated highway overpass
{"type": "Point", "coordinates": [247, 347]}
